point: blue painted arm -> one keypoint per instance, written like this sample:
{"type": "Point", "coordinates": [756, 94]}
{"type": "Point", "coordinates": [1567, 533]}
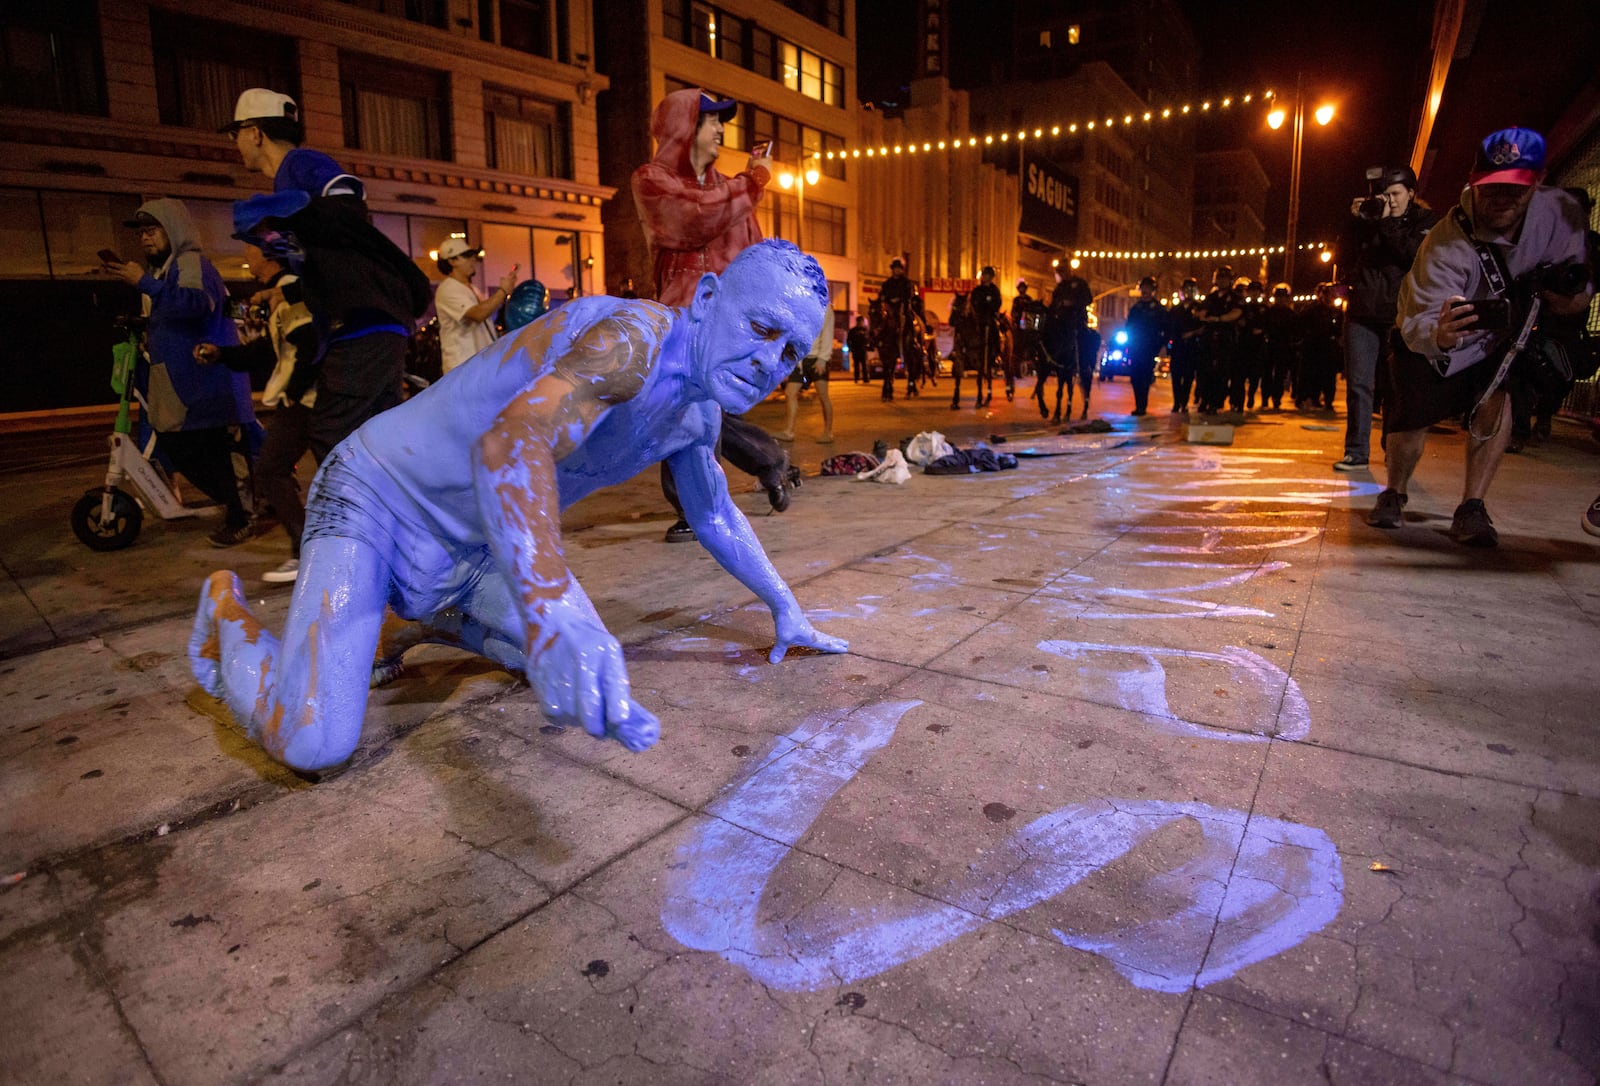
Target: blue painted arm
{"type": "Point", "coordinates": [727, 535]}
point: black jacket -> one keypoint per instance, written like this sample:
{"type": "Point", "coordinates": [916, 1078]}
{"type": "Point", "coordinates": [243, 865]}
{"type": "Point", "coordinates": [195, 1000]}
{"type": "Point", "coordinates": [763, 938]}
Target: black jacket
{"type": "Point", "coordinates": [1378, 253]}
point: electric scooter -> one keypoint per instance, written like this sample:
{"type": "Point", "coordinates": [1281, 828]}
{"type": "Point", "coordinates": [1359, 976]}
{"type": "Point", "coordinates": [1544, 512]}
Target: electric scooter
{"type": "Point", "coordinates": [109, 518]}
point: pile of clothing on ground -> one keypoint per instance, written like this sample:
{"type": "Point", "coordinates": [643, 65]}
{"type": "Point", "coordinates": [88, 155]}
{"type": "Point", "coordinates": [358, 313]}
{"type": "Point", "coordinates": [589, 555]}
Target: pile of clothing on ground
{"type": "Point", "coordinates": [929, 450]}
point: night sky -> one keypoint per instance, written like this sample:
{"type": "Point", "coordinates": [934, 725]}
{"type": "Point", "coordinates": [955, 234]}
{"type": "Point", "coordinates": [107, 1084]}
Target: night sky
{"type": "Point", "coordinates": [1370, 59]}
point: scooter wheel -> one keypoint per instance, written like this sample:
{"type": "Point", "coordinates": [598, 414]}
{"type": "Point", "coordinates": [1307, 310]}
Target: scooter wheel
{"type": "Point", "coordinates": [120, 531]}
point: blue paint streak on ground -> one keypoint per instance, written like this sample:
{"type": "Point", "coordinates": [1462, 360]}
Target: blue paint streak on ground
{"type": "Point", "coordinates": [1259, 886]}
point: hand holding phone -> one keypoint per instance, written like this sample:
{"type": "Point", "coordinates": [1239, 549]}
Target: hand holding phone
{"type": "Point", "coordinates": [1481, 314]}
{"type": "Point", "coordinates": [1494, 314]}
{"type": "Point", "coordinates": [109, 256]}
{"type": "Point", "coordinates": [761, 149]}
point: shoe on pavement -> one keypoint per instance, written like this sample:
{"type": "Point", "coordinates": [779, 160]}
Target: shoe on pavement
{"type": "Point", "coordinates": [232, 537]}
{"type": "Point", "coordinates": [1388, 512]}
{"type": "Point", "coordinates": [786, 435]}
{"type": "Point", "coordinates": [1349, 463]}
{"type": "Point", "coordinates": [1591, 518]}
{"type": "Point", "coordinates": [284, 574]}
{"type": "Point", "coordinates": [680, 532]}
{"type": "Point", "coordinates": [1471, 525]}
{"type": "Point", "coordinates": [825, 439]}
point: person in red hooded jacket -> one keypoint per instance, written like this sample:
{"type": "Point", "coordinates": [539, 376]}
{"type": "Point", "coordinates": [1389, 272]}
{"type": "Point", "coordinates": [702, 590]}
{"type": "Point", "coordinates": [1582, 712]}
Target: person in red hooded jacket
{"type": "Point", "coordinates": [697, 220]}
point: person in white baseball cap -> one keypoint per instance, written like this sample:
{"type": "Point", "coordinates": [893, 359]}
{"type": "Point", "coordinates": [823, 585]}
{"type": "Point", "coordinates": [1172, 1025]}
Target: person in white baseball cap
{"type": "Point", "coordinates": [267, 131]}
{"type": "Point", "coordinates": [466, 319]}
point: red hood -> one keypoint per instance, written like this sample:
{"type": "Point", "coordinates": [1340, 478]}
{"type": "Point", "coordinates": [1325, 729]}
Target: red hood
{"type": "Point", "coordinates": [673, 127]}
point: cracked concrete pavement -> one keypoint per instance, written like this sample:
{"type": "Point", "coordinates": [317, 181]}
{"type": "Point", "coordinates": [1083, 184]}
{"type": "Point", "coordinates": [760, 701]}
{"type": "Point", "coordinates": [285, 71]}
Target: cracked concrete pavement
{"type": "Point", "coordinates": [1150, 762]}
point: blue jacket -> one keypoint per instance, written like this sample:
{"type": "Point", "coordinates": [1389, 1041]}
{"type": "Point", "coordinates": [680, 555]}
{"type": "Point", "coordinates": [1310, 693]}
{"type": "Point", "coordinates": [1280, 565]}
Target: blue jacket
{"type": "Point", "coordinates": [188, 304]}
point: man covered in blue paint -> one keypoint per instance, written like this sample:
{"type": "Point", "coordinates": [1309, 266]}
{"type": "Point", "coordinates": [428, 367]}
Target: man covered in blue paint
{"type": "Point", "coordinates": [446, 510]}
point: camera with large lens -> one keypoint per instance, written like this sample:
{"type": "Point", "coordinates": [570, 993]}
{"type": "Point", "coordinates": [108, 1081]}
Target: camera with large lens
{"type": "Point", "coordinates": [1372, 208]}
{"type": "Point", "coordinates": [1569, 278]}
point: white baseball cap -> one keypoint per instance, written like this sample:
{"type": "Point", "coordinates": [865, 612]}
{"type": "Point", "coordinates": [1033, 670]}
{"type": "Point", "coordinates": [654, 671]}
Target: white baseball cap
{"type": "Point", "coordinates": [260, 104]}
{"type": "Point", "coordinates": [454, 247]}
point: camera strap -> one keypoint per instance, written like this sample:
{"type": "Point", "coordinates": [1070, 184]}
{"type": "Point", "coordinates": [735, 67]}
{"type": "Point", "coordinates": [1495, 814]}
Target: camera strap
{"type": "Point", "coordinates": [1495, 272]}
{"type": "Point", "coordinates": [1498, 276]}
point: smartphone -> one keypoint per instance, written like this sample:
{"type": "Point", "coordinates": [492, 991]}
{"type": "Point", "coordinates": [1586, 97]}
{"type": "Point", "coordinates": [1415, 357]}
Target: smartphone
{"type": "Point", "coordinates": [1494, 314]}
{"type": "Point", "coordinates": [515, 268]}
{"type": "Point", "coordinates": [761, 149]}
{"type": "Point", "coordinates": [108, 257]}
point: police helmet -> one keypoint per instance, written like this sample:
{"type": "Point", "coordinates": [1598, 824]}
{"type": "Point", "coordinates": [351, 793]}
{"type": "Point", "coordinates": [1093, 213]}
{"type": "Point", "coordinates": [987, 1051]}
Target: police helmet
{"type": "Point", "coordinates": [1147, 281]}
{"type": "Point", "coordinates": [1281, 290]}
{"type": "Point", "coordinates": [1243, 283]}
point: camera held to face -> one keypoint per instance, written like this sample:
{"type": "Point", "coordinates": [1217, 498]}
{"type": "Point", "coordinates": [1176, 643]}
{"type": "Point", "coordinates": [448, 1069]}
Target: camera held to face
{"type": "Point", "coordinates": [1373, 207]}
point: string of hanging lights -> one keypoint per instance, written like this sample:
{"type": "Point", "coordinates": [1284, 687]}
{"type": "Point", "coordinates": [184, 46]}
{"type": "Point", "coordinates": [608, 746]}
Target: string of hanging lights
{"type": "Point", "coordinates": [1152, 116]}
{"type": "Point", "coordinates": [1193, 254]}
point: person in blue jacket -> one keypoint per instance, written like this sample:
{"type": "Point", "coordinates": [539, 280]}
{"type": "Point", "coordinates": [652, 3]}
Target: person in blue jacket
{"type": "Point", "coordinates": [202, 414]}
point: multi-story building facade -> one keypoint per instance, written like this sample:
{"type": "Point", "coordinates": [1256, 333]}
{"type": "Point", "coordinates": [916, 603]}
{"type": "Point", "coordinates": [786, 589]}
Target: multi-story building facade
{"type": "Point", "coordinates": [946, 213]}
{"type": "Point", "coordinates": [463, 117]}
{"type": "Point", "coordinates": [790, 64]}
{"type": "Point", "coordinates": [1089, 60]}
{"type": "Point", "coordinates": [1230, 202]}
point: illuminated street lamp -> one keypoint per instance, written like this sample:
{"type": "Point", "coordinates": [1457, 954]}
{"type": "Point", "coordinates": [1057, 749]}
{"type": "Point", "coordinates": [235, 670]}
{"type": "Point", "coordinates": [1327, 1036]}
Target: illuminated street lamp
{"type": "Point", "coordinates": [1323, 114]}
{"type": "Point", "coordinates": [798, 181]}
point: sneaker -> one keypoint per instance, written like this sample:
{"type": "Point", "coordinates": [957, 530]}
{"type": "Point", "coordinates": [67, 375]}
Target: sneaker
{"type": "Point", "coordinates": [1471, 526]}
{"type": "Point", "coordinates": [1387, 513]}
{"type": "Point", "coordinates": [231, 537]}
{"type": "Point", "coordinates": [284, 574]}
{"type": "Point", "coordinates": [1349, 463]}
{"type": "Point", "coordinates": [1591, 518]}
{"type": "Point", "coordinates": [680, 532]}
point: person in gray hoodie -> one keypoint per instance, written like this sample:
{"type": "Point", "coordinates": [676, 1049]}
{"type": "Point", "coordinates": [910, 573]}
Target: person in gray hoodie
{"type": "Point", "coordinates": [203, 414]}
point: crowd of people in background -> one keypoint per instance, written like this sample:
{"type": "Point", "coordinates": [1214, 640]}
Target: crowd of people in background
{"type": "Point", "coordinates": [339, 303]}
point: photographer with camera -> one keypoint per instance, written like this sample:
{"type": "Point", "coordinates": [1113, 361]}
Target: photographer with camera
{"type": "Point", "coordinates": [1386, 228]}
{"type": "Point", "coordinates": [1511, 250]}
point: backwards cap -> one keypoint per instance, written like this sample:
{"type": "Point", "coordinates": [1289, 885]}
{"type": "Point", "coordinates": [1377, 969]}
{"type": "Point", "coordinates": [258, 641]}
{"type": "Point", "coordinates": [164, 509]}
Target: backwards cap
{"type": "Point", "coordinates": [260, 104]}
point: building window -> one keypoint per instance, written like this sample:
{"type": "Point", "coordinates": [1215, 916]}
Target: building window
{"type": "Point", "coordinates": [730, 40]}
{"type": "Point", "coordinates": [712, 31]}
{"type": "Point", "coordinates": [50, 57]}
{"type": "Point", "coordinates": [202, 67]}
{"type": "Point", "coordinates": [763, 50]}
{"type": "Point", "coordinates": [824, 228]}
{"type": "Point", "coordinates": [828, 13]}
{"type": "Point", "coordinates": [526, 135]}
{"type": "Point", "coordinates": [426, 12]}
{"type": "Point", "coordinates": [394, 109]}
{"type": "Point", "coordinates": [672, 20]}
{"type": "Point", "coordinates": [833, 167]}
{"type": "Point", "coordinates": [702, 29]}
{"type": "Point", "coordinates": [525, 26]}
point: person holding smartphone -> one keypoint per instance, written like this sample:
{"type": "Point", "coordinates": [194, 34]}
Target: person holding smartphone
{"type": "Point", "coordinates": [466, 319]}
{"type": "Point", "coordinates": [698, 219]}
{"type": "Point", "coordinates": [1452, 365]}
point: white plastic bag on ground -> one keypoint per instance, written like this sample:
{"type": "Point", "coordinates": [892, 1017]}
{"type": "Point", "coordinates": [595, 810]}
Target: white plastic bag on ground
{"type": "Point", "coordinates": [893, 470]}
{"type": "Point", "coordinates": [927, 447]}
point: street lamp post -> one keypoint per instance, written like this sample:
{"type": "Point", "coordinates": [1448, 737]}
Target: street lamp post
{"type": "Point", "coordinates": [1323, 114]}
{"type": "Point", "coordinates": [798, 181]}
